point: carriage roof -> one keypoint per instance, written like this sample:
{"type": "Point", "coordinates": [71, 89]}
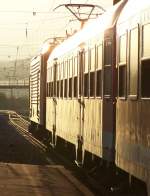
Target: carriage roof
{"type": "Point", "coordinates": [90, 30]}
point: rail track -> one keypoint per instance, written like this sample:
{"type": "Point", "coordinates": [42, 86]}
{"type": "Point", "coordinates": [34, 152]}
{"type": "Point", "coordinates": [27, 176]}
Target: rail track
{"type": "Point", "coordinates": [89, 177]}
{"type": "Point", "coordinates": [21, 125]}
{"type": "Point", "coordinates": [24, 156]}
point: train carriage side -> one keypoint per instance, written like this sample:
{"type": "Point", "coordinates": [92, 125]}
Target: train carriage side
{"type": "Point", "coordinates": [34, 91]}
{"type": "Point", "coordinates": [99, 87]}
{"type": "Point", "coordinates": [133, 102]}
{"type": "Point", "coordinates": [38, 76]}
{"type": "Point", "coordinates": [77, 110]}
{"type": "Point", "coordinates": [62, 111]}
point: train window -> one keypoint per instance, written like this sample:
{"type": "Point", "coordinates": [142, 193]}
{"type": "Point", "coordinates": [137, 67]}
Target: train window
{"type": "Point", "coordinates": [81, 67]}
{"type": "Point", "coordinates": [51, 82]}
{"type": "Point", "coordinates": [108, 52]}
{"type": "Point", "coordinates": [146, 47]}
{"type": "Point", "coordinates": [92, 62]}
{"type": "Point", "coordinates": [51, 89]}
{"type": "Point", "coordinates": [98, 71]}
{"type": "Point", "coordinates": [70, 77]}
{"type": "Point", "coordinates": [70, 67]}
{"type": "Point", "coordinates": [70, 87]}
{"type": "Point", "coordinates": [57, 71]}
{"type": "Point", "coordinates": [107, 81]}
{"type": "Point", "coordinates": [122, 80]}
{"type": "Point", "coordinates": [86, 85]}
{"type": "Point", "coordinates": [61, 70]}
{"type": "Point", "coordinates": [145, 78]}
{"type": "Point", "coordinates": [75, 81]}
{"type": "Point", "coordinates": [55, 80]}
{"type": "Point", "coordinates": [48, 89]}
{"type": "Point", "coordinates": [48, 74]}
{"type": "Point", "coordinates": [48, 80]}
{"type": "Point", "coordinates": [52, 74]}
{"type": "Point", "coordinates": [57, 88]}
{"type": "Point", "coordinates": [65, 79]}
{"type": "Point", "coordinates": [47, 93]}
{"type": "Point", "coordinates": [86, 69]}
{"type": "Point", "coordinates": [86, 74]}
{"type": "Point", "coordinates": [99, 57]}
{"type": "Point", "coordinates": [59, 75]}
{"type": "Point", "coordinates": [65, 69]}
{"type": "Point", "coordinates": [107, 68]}
{"type": "Point", "coordinates": [122, 66]}
{"type": "Point", "coordinates": [75, 66]}
{"type": "Point", "coordinates": [65, 88]}
{"type": "Point", "coordinates": [98, 83]}
{"type": "Point", "coordinates": [122, 48]}
{"type": "Point", "coordinates": [75, 86]}
{"type": "Point", "coordinates": [133, 59]}
{"type": "Point", "coordinates": [61, 88]}
{"type": "Point", "coordinates": [92, 84]}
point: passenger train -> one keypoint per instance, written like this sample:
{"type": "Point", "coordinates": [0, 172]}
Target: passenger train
{"type": "Point", "coordinates": [92, 90]}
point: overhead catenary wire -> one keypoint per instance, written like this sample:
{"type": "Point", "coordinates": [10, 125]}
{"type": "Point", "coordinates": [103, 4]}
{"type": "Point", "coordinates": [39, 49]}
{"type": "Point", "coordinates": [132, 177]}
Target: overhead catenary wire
{"type": "Point", "coordinates": [42, 23]}
{"type": "Point", "coordinates": [24, 12]}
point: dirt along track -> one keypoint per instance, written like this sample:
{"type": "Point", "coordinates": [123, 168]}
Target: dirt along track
{"type": "Point", "coordinates": [25, 170]}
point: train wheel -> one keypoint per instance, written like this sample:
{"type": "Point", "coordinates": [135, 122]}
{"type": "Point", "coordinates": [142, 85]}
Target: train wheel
{"type": "Point", "coordinates": [32, 127]}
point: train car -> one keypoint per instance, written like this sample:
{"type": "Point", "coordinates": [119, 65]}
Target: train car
{"type": "Point", "coordinates": [34, 90]}
{"type": "Point", "coordinates": [80, 102]}
{"type": "Point", "coordinates": [133, 101]}
{"type": "Point", "coordinates": [38, 75]}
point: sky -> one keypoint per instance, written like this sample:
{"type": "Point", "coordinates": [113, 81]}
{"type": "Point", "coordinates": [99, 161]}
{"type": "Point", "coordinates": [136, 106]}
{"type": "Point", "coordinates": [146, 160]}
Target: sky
{"type": "Point", "coordinates": [26, 24]}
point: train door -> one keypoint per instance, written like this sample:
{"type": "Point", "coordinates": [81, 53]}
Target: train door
{"type": "Point", "coordinates": [79, 154]}
{"type": "Point", "coordinates": [43, 78]}
{"type": "Point", "coordinates": [108, 126]}
{"type": "Point", "coordinates": [38, 94]}
{"type": "Point", "coordinates": [54, 103]}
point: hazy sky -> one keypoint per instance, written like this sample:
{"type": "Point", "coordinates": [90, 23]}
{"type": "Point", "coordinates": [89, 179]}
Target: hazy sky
{"type": "Point", "coordinates": [23, 32]}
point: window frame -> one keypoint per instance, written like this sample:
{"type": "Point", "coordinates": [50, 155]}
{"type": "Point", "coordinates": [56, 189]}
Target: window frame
{"type": "Point", "coordinates": [92, 71]}
{"type": "Point", "coordinates": [142, 59]}
{"type": "Point", "coordinates": [108, 64]}
{"type": "Point", "coordinates": [61, 79]}
{"type": "Point", "coordinates": [86, 73]}
{"type": "Point", "coordinates": [99, 68]}
{"type": "Point", "coordinates": [65, 78]}
{"type": "Point", "coordinates": [75, 94]}
{"type": "Point", "coordinates": [133, 96]}
{"type": "Point", "coordinates": [122, 64]}
{"type": "Point", "coordinates": [70, 78]}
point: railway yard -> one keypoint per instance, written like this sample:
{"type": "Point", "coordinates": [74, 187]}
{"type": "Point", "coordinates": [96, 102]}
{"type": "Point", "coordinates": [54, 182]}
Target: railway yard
{"type": "Point", "coordinates": [74, 114]}
{"type": "Point", "coordinates": [26, 170]}
{"type": "Point", "coordinates": [28, 167]}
